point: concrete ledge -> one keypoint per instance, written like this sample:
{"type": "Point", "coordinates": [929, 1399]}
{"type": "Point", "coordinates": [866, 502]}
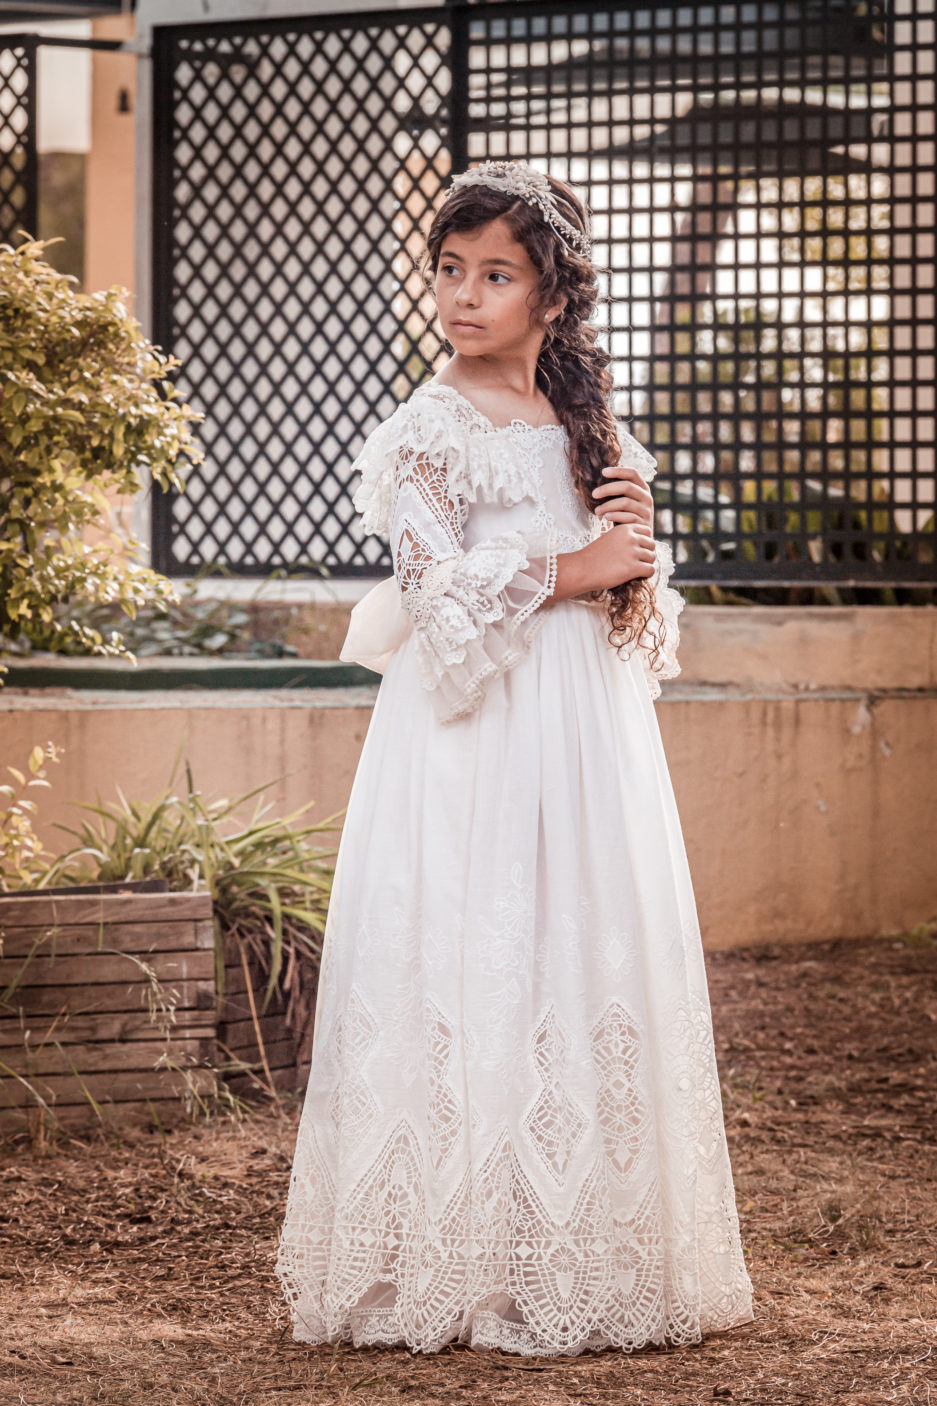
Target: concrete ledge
{"type": "Point", "coordinates": [805, 784]}
{"type": "Point", "coordinates": [810, 647]}
{"type": "Point", "coordinates": [77, 700]}
{"type": "Point", "coordinates": [164, 672]}
{"type": "Point", "coordinates": [806, 816]}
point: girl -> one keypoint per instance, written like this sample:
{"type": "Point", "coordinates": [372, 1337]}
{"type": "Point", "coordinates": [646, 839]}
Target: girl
{"type": "Point", "coordinates": [512, 1134]}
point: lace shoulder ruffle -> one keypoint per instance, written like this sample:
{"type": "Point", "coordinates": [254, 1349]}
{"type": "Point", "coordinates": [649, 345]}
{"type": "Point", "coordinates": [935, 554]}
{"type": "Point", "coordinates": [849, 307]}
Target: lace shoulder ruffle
{"type": "Point", "coordinates": [437, 424]}
{"type": "Point", "coordinates": [635, 456]}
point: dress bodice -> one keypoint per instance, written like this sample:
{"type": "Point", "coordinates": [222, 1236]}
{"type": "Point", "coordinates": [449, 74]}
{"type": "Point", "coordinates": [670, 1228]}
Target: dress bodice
{"type": "Point", "coordinates": [476, 515]}
{"type": "Point", "coordinates": [541, 456]}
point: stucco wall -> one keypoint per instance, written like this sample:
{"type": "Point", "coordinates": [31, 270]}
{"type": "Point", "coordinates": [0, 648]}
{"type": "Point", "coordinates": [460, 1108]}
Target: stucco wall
{"type": "Point", "coordinates": [801, 744]}
{"type": "Point", "coordinates": [111, 185]}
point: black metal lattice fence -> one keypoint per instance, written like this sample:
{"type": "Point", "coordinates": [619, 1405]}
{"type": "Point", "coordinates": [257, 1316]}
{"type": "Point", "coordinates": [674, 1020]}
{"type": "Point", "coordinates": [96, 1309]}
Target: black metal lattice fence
{"type": "Point", "coordinates": [19, 181]}
{"type": "Point", "coordinates": [282, 152]}
{"type": "Point", "coordinates": [762, 183]}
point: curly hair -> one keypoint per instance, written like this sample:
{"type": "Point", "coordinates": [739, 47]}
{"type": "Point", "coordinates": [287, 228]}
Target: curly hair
{"type": "Point", "coordinates": [572, 369]}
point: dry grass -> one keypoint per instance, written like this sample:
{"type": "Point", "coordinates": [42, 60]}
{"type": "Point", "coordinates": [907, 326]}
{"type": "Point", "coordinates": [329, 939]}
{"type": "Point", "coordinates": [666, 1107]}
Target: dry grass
{"type": "Point", "coordinates": [139, 1271]}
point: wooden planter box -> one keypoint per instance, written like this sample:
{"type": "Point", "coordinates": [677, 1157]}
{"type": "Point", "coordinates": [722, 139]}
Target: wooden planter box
{"type": "Point", "coordinates": [77, 1022]}
{"type": "Point", "coordinates": [284, 1060]}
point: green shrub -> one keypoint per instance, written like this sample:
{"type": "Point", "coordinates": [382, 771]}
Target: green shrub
{"type": "Point", "coordinates": [87, 412]}
{"type": "Point", "coordinates": [24, 860]}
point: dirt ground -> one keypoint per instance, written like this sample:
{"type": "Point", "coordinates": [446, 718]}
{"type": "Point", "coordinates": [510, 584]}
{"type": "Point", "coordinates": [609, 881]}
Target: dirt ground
{"type": "Point", "coordinates": [138, 1271]}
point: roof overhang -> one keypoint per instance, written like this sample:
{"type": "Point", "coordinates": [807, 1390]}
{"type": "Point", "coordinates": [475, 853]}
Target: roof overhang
{"type": "Point", "coordinates": [19, 13]}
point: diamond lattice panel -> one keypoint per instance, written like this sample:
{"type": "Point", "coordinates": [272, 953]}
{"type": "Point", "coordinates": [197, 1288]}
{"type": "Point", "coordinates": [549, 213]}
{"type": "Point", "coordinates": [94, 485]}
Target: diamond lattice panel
{"type": "Point", "coordinates": [303, 166]}
{"type": "Point", "coordinates": [17, 95]}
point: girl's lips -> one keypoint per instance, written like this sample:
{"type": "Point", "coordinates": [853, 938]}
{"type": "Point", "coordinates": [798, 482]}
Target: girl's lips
{"type": "Point", "coordinates": [467, 326]}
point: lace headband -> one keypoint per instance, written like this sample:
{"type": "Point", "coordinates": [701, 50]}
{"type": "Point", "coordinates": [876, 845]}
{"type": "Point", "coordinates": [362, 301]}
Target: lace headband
{"type": "Point", "coordinates": [517, 178]}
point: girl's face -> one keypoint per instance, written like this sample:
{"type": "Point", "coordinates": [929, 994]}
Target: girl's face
{"type": "Point", "coordinates": [486, 287]}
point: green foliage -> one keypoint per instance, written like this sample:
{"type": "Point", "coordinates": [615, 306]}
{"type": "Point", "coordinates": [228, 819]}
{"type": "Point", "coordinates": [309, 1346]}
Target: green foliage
{"type": "Point", "coordinates": [23, 858]}
{"type": "Point", "coordinates": [193, 625]}
{"type": "Point", "coordinates": [269, 883]}
{"type": "Point", "coordinates": [87, 410]}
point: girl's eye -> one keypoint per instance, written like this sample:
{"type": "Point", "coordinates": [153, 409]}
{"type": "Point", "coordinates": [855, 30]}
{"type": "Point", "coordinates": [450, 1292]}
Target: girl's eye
{"type": "Point", "coordinates": [454, 268]}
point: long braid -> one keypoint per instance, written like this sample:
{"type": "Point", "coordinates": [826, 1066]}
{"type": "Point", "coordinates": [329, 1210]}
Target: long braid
{"type": "Point", "coordinates": [572, 369]}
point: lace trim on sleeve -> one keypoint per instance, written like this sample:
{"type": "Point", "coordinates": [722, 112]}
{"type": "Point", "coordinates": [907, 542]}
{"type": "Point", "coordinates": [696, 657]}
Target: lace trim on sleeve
{"type": "Point", "coordinates": [476, 614]}
{"type": "Point", "coordinates": [442, 430]}
{"type": "Point", "coordinates": [635, 456]}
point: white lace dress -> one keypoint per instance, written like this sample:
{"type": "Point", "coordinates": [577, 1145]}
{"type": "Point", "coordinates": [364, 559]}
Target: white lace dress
{"type": "Point", "coordinates": [513, 1133]}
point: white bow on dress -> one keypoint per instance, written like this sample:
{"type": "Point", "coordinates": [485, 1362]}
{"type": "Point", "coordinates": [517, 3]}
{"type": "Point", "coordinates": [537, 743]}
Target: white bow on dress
{"type": "Point", "coordinates": [379, 625]}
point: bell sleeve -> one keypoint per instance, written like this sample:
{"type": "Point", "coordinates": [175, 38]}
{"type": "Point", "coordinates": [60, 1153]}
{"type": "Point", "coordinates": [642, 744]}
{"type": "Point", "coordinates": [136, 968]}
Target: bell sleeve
{"type": "Point", "coordinates": [475, 610]}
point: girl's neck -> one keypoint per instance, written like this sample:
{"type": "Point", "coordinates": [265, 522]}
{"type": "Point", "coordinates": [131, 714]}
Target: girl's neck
{"type": "Point", "coordinates": [511, 375]}
{"type": "Point", "coordinates": [499, 404]}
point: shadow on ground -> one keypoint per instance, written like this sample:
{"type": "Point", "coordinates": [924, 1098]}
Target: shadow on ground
{"type": "Point", "coordinates": [139, 1271]}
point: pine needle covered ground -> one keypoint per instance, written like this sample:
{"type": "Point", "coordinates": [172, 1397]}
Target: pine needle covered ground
{"type": "Point", "coordinates": [138, 1271]}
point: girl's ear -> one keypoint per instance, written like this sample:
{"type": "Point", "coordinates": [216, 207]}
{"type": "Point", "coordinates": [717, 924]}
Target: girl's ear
{"type": "Point", "coordinates": [555, 310]}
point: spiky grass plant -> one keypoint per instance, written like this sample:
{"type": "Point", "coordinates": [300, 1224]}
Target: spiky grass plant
{"type": "Point", "coordinates": [268, 877]}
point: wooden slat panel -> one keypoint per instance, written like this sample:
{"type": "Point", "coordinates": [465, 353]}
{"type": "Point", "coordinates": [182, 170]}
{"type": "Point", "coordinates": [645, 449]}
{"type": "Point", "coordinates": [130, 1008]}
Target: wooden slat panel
{"type": "Point", "coordinates": [237, 1033]}
{"type": "Point", "coordinates": [237, 1008]}
{"type": "Point", "coordinates": [105, 907]}
{"type": "Point", "coordinates": [234, 980]}
{"type": "Point", "coordinates": [98, 1058]}
{"type": "Point", "coordinates": [120, 996]}
{"type": "Point", "coordinates": [102, 968]}
{"type": "Point", "coordinates": [86, 993]}
{"type": "Point", "coordinates": [71, 939]}
{"type": "Point", "coordinates": [283, 1079]}
{"type": "Point", "coordinates": [171, 1112]}
{"type": "Point", "coordinates": [102, 1027]}
{"type": "Point", "coordinates": [106, 1088]}
{"type": "Point", "coordinates": [279, 1054]}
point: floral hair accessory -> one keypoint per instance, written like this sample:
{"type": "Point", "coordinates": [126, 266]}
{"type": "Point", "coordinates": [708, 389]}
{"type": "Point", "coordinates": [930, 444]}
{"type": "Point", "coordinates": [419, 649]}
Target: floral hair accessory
{"type": "Point", "coordinates": [517, 178]}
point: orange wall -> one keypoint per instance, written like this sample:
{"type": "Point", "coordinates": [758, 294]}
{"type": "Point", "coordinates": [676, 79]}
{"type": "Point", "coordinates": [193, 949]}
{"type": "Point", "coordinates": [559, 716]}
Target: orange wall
{"type": "Point", "coordinates": [109, 208]}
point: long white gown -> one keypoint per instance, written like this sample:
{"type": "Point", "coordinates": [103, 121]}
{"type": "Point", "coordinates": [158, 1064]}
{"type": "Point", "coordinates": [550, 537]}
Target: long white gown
{"type": "Point", "coordinates": [512, 1134]}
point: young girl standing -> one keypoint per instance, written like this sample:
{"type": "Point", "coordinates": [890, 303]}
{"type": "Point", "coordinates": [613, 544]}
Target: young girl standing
{"type": "Point", "coordinates": [512, 1135]}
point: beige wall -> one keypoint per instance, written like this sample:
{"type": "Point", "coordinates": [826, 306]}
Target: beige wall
{"type": "Point", "coordinates": [801, 744]}
{"type": "Point", "coordinates": [109, 201]}
{"type": "Point", "coordinates": [806, 817]}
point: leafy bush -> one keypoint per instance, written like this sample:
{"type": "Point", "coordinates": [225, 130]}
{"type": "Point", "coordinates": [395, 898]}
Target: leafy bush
{"type": "Point", "coordinates": [23, 858]}
{"type": "Point", "coordinates": [87, 409]}
{"type": "Point", "coordinates": [193, 625]}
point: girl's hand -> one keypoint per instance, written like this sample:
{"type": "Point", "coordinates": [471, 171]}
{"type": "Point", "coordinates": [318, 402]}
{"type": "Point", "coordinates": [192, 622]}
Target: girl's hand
{"type": "Point", "coordinates": [621, 553]}
{"type": "Point", "coordinates": [624, 498]}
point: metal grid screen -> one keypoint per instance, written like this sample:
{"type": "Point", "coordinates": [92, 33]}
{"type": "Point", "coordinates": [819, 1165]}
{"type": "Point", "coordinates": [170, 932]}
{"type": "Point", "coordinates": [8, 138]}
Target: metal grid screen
{"type": "Point", "coordinates": [18, 165]}
{"type": "Point", "coordinates": [762, 182]}
{"type": "Point", "coordinates": [285, 211]}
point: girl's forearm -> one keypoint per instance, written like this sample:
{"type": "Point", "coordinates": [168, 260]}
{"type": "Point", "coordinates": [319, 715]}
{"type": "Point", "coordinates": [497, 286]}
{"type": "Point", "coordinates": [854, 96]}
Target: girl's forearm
{"type": "Point", "coordinates": [573, 576]}
{"type": "Point", "coordinates": [623, 553]}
